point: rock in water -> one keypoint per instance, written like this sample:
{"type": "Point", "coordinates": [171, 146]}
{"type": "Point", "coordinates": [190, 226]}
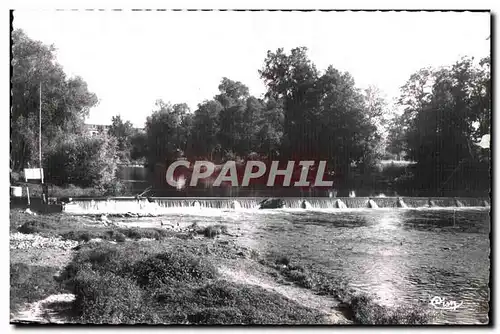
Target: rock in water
{"type": "Point", "coordinates": [28, 211]}
{"type": "Point", "coordinates": [272, 203]}
{"type": "Point", "coordinates": [340, 205]}
{"type": "Point", "coordinates": [235, 205]}
{"type": "Point", "coordinates": [305, 205]}
{"type": "Point", "coordinates": [401, 204]}
{"type": "Point", "coordinates": [105, 219]}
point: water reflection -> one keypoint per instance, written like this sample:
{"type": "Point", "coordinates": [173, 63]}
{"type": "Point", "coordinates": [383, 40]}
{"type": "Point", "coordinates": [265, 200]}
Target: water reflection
{"type": "Point", "coordinates": [404, 256]}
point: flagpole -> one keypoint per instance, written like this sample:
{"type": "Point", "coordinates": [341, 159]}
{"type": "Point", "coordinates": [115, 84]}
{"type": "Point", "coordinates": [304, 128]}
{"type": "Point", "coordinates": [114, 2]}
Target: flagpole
{"type": "Point", "coordinates": [40, 134]}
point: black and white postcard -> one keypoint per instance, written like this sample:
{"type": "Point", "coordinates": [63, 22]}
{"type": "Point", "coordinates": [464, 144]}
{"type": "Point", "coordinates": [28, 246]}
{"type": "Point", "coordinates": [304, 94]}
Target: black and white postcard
{"type": "Point", "coordinates": [223, 167]}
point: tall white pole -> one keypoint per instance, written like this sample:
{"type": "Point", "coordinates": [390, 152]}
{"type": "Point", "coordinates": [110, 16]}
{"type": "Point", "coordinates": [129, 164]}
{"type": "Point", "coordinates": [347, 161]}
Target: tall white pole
{"type": "Point", "coordinates": [40, 134]}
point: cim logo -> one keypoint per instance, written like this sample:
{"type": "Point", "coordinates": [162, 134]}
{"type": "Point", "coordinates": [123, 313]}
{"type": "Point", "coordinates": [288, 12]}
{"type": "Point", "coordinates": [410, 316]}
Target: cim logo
{"type": "Point", "coordinates": [305, 173]}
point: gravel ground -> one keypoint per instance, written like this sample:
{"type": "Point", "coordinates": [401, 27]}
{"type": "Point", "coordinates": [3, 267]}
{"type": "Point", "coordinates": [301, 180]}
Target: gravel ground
{"type": "Point", "coordinates": [27, 241]}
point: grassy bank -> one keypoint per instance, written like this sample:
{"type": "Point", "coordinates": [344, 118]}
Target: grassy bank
{"type": "Point", "coordinates": [30, 283]}
{"type": "Point", "coordinates": [157, 282]}
{"type": "Point", "coordinates": [80, 228]}
{"type": "Point", "coordinates": [358, 307]}
{"type": "Point", "coordinates": [171, 280]}
{"type": "Point", "coordinates": [174, 277]}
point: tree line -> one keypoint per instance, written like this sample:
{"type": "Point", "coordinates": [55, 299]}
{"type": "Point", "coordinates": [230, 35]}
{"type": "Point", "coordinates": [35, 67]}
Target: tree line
{"type": "Point", "coordinates": [446, 112]}
{"type": "Point", "coordinates": [306, 114]}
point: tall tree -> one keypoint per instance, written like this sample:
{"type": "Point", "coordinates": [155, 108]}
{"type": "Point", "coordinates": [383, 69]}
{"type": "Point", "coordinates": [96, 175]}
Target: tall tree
{"type": "Point", "coordinates": [205, 129]}
{"type": "Point", "coordinates": [65, 101]}
{"type": "Point", "coordinates": [325, 115]}
{"type": "Point", "coordinates": [232, 128]}
{"type": "Point", "coordinates": [123, 132]}
{"type": "Point", "coordinates": [167, 132]}
{"type": "Point", "coordinates": [446, 110]}
{"type": "Point", "coordinates": [292, 79]}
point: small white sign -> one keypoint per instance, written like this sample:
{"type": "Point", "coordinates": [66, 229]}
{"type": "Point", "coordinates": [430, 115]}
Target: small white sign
{"type": "Point", "coordinates": [33, 174]}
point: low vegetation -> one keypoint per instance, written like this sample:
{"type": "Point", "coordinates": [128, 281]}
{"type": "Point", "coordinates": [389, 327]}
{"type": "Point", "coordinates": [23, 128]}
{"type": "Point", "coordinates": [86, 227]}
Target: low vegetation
{"type": "Point", "coordinates": [30, 283]}
{"type": "Point", "coordinates": [359, 307]}
{"type": "Point", "coordinates": [212, 231]}
{"type": "Point", "coordinates": [157, 283]}
{"type": "Point", "coordinates": [77, 228]}
{"type": "Point", "coordinates": [176, 282]}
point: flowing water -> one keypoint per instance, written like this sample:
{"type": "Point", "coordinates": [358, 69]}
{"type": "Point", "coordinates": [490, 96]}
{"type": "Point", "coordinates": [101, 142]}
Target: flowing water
{"type": "Point", "coordinates": [405, 256]}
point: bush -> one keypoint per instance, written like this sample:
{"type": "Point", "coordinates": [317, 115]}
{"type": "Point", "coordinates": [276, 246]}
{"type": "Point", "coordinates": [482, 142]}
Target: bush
{"type": "Point", "coordinates": [145, 283]}
{"type": "Point", "coordinates": [365, 310]}
{"type": "Point", "coordinates": [111, 299]}
{"type": "Point", "coordinates": [16, 177]}
{"type": "Point", "coordinates": [214, 230]}
{"type": "Point", "coordinates": [31, 283]}
{"type": "Point", "coordinates": [87, 161]}
{"type": "Point", "coordinates": [165, 267]}
{"type": "Point", "coordinates": [360, 308]}
{"type": "Point", "coordinates": [81, 235]}
{"type": "Point", "coordinates": [148, 233]}
{"type": "Point", "coordinates": [251, 305]}
{"type": "Point", "coordinates": [34, 226]}
{"type": "Point", "coordinates": [101, 258]}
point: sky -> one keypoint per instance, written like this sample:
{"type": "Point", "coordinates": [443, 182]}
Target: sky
{"type": "Point", "coordinates": [131, 59]}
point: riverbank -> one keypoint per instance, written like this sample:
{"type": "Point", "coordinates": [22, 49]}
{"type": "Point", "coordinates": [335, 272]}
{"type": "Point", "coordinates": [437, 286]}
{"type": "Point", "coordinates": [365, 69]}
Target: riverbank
{"type": "Point", "coordinates": [171, 272]}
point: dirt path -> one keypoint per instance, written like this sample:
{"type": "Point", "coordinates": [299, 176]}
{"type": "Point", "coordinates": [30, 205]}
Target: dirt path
{"type": "Point", "coordinates": [303, 296]}
{"type": "Point", "coordinates": [52, 309]}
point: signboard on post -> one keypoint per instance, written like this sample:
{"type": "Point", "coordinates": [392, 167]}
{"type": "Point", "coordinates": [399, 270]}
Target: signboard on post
{"type": "Point", "coordinates": [33, 174]}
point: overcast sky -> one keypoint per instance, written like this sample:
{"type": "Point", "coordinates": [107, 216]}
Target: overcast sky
{"type": "Point", "coordinates": [130, 59]}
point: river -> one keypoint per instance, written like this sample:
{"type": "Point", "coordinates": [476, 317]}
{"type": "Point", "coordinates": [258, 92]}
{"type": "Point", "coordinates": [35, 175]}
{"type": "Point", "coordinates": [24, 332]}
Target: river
{"type": "Point", "coordinates": [405, 257]}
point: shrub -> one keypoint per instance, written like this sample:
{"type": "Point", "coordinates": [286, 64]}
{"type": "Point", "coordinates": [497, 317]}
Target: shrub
{"type": "Point", "coordinates": [251, 305]}
{"type": "Point", "coordinates": [87, 161]}
{"type": "Point", "coordinates": [300, 278]}
{"type": "Point", "coordinates": [149, 233]}
{"type": "Point", "coordinates": [111, 299]}
{"type": "Point", "coordinates": [145, 283]}
{"type": "Point", "coordinates": [34, 226]}
{"type": "Point", "coordinates": [31, 283]}
{"type": "Point", "coordinates": [168, 266]}
{"type": "Point", "coordinates": [217, 316]}
{"type": "Point", "coordinates": [99, 257]}
{"type": "Point", "coordinates": [365, 310]}
{"type": "Point", "coordinates": [214, 230]}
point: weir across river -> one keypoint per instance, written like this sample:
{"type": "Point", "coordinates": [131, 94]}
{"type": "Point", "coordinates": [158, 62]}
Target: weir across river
{"type": "Point", "coordinates": [158, 205]}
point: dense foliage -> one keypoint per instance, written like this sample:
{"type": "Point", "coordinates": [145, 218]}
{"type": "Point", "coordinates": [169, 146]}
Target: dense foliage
{"type": "Point", "coordinates": [65, 101]}
{"type": "Point", "coordinates": [306, 114]}
{"type": "Point", "coordinates": [446, 112]}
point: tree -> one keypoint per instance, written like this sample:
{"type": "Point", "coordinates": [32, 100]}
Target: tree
{"type": "Point", "coordinates": [292, 79]}
{"type": "Point", "coordinates": [139, 147]}
{"type": "Point", "coordinates": [167, 132]}
{"type": "Point", "coordinates": [206, 125]}
{"type": "Point", "coordinates": [233, 131]}
{"type": "Point", "coordinates": [123, 132]}
{"type": "Point", "coordinates": [65, 101]}
{"type": "Point", "coordinates": [446, 110]}
{"type": "Point", "coordinates": [87, 161]}
{"type": "Point", "coordinates": [326, 117]}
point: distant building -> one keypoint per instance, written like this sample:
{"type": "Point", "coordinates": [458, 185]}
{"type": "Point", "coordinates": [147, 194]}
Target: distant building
{"type": "Point", "coordinates": [94, 129]}
{"type": "Point", "coordinates": [140, 130]}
